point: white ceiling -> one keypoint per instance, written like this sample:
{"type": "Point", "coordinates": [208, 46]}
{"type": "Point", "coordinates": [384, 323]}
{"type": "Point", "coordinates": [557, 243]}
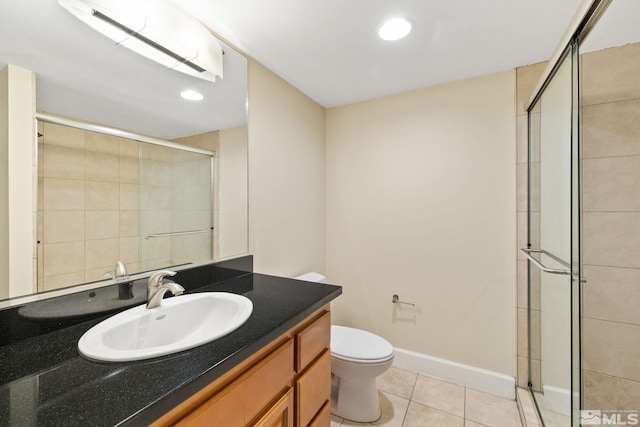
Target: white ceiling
{"type": "Point", "coordinates": [326, 48]}
{"type": "Point", "coordinates": [329, 48]}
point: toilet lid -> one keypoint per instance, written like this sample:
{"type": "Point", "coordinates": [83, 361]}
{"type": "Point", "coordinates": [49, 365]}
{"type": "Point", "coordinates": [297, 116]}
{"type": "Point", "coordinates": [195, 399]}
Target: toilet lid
{"type": "Point", "coordinates": [357, 344]}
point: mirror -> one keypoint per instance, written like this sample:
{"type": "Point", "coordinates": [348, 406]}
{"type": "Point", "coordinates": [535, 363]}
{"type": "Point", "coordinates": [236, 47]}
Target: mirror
{"type": "Point", "coordinates": [81, 75]}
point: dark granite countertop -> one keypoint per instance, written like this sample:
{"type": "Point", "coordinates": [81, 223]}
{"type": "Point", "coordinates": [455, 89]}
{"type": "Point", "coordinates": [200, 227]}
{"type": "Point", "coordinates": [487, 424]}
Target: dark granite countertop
{"type": "Point", "coordinates": [45, 382]}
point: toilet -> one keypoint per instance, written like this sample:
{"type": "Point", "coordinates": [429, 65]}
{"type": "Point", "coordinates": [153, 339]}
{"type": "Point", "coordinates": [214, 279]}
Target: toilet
{"type": "Point", "coordinates": [357, 358]}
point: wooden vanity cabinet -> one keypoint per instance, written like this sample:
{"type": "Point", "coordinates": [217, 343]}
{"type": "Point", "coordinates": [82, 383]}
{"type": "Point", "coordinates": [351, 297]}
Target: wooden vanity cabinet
{"type": "Point", "coordinates": [313, 389]}
{"type": "Point", "coordinates": [286, 383]}
{"type": "Point", "coordinates": [280, 414]}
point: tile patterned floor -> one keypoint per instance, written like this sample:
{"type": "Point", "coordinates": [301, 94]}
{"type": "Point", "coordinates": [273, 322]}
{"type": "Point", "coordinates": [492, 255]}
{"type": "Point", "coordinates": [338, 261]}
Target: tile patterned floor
{"type": "Point", "coordinates": [408, 399]}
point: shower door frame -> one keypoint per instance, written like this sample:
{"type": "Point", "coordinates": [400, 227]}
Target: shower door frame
{"type": "Point", "coordinates": [589, 13]}
{"type": "Point", "coordinates": [561, 266]}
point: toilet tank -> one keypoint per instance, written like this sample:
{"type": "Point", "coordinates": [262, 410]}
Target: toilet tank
{"type": "Point", "coordinates": [312, 277]}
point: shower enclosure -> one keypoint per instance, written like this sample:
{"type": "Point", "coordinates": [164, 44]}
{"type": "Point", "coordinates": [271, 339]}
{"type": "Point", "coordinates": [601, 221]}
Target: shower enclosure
{"type": "Point", "coordinates": [176, 215]}
{"type": "Point", "coordinates": [583, 247]}
{"type": "Point", "coordinates": [107, 195]}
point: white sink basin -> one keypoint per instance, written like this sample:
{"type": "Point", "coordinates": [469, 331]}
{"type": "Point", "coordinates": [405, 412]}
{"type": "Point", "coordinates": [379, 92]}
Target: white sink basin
{"type": "Point", "coordinates": [179, 323]}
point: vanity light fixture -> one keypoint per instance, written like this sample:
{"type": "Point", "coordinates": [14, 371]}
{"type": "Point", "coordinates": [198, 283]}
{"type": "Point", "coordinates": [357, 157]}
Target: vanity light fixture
{"type": "Point", "coordinates": [395, 29]}
{"type": "Point", "coordinates": [191, 95]}
{"type": "Point", "coordinates": [156, 29]}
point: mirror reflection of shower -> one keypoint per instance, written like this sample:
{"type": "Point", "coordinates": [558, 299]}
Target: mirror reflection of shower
{"type": "Point", "coordinates": [105, 198]}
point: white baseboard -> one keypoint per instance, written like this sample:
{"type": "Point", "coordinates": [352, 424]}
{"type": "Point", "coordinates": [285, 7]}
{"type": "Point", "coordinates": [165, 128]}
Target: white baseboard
{"type": "Point", "coordinates": [469, 376]}
{"type": "Point", "coordinates": [557, 399]}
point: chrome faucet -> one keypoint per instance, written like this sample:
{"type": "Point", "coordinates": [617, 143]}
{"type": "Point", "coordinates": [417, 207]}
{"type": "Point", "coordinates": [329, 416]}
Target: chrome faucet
{"type": "Point", "coordinates": [156, 289]}
{"type": "Point", "coordinates": [121, 271]}
{"type": "Point", "coordinates": [120, 275]}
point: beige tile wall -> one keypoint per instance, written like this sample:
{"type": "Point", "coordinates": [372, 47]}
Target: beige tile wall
{"type": "Point", "coordinates": [87, 205]}
{"type": "Point", "coordinates": [611, 227]}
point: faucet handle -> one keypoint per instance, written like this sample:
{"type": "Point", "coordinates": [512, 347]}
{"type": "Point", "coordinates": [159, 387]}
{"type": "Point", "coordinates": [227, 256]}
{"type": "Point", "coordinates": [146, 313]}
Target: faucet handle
{"type": "Point", "coordinates": [155, 279]}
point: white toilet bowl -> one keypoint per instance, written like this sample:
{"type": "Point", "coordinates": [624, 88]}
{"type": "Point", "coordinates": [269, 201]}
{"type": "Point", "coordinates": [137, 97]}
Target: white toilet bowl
{"type": "Point", "coordinates": [357, 358]}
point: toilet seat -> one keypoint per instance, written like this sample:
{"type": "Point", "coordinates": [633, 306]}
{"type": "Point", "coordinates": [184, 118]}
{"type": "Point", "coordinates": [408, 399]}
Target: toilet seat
{"type": "Point", "coordinates": [355, 345]}
{"type": "Point", "coordinates": [361, 361]}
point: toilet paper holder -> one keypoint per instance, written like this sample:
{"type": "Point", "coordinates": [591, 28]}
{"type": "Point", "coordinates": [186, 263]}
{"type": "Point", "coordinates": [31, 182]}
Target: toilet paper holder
{"type": "Point", "coordinates": [396, 300]}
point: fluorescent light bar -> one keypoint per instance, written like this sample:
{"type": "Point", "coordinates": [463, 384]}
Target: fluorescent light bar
{"type": "Point", "coordinates": [156, 29]}
{"type": "Point", "coordinates": [145, 40]}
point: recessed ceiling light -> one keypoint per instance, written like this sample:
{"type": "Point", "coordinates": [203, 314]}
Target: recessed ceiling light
{"type": "Point", "coordinates": [192, 95]}
{"type": "Point", "coordinates": [395, 29]}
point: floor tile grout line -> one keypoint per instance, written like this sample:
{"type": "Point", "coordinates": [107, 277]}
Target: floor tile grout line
{"type": "Point", "coordinates": [404, 417]}
{"type": "Point", "coordinates": [413, 390]}
{"type": "Point", "coordinates": [393, 394]}
{"type": "Point", "coordinates": [464, 401]}
{"type": "Point", "coordinates": [415, 384]}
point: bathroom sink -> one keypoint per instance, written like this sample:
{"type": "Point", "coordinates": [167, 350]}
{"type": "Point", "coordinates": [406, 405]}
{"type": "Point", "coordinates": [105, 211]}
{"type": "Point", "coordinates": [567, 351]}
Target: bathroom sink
{"type": "Point", "coordinates": [179, 323]}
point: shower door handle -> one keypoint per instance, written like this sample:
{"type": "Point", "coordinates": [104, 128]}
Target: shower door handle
{"type": "Point", "coordinates": [527, 252]}
{"type": "Point", "coordinates": [177, 233]}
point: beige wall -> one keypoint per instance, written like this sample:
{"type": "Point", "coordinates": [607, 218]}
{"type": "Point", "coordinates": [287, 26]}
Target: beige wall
{"type": "Point", "coordinates": [233, 173]}
{"type": "Point", "coordinates": [420, 203]}
{"type": "Point", "coordinates": [18, 160]}
{"type": "Point", "coordinates": [4, 183]}
{"type": "Point", "coordinates": [286, 176]}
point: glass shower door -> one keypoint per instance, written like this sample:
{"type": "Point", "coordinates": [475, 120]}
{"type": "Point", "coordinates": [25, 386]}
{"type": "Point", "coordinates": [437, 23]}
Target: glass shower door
{"type": "Point", "coordinates": [553, 248]}
{"type": "Point", "coordinates": [176, 216]}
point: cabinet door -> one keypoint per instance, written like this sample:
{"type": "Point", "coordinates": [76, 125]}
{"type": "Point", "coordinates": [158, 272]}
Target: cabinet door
{"type": "Point", "coordinates": [314, 389]}
{"type": "Point", "coordinates": [267, 380]}
{"type": "Point", "coordinates": [312, 340]}
{"type": "Point", "coordinates": [280, 414]}
{"type": "Point", "coordinates": [323, 418]}
{"type": "Point", "coordinates": [244, 399]}
{"type": "Point", "coordinates": [224, 409]}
